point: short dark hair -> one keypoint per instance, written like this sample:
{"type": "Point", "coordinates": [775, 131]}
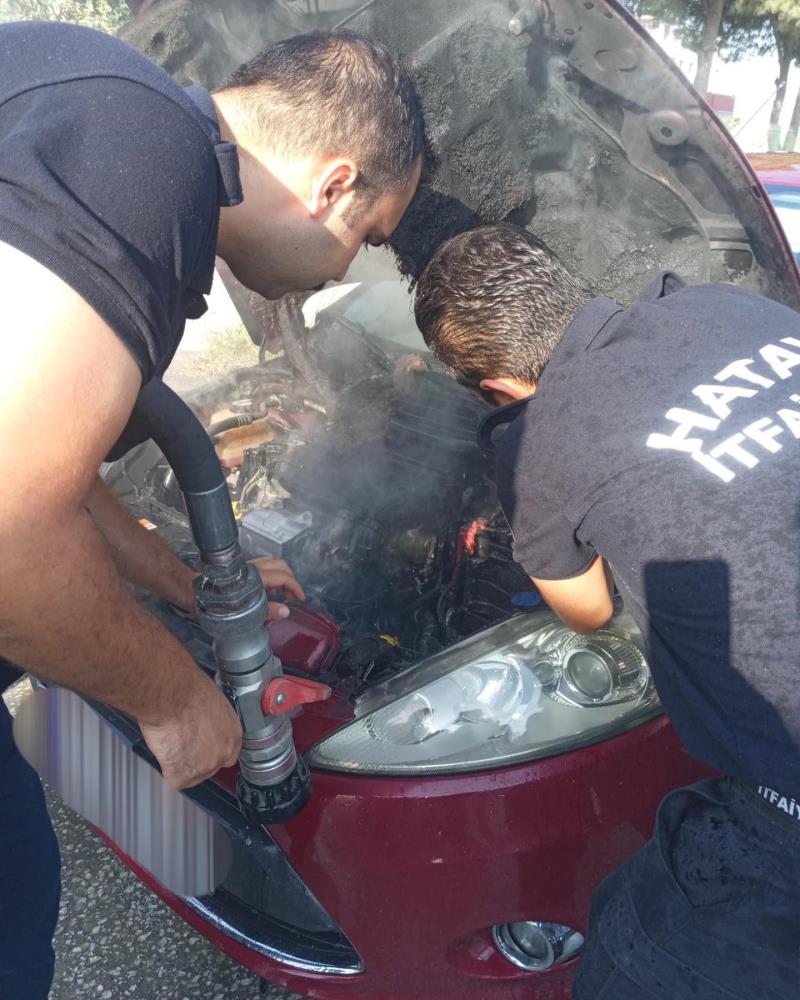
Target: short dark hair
{"type": "Point", "coordinates": [494, 302]}
{"type": "Point", "coordinates": [337, 93]}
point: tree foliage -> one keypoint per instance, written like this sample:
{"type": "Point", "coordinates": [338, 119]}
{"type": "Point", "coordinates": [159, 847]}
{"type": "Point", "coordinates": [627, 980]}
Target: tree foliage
{"type": "Point", "coordinates": [698, 25]}
{"type": "Point", "coordinates": [747, 27]}
{"type": "Point", "coordinates": [107, 15]}
{"type": "Point", "coordinates": [735, 29]}
{"type": "Point", "coordinates": [731, 28]}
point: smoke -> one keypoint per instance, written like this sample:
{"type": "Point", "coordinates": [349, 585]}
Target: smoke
{"type": "Point", "coordinates": [203, 41]}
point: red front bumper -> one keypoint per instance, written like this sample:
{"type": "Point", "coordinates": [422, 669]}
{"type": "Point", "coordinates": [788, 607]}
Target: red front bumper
{"type": "Point", "coordinates": [416, 872]}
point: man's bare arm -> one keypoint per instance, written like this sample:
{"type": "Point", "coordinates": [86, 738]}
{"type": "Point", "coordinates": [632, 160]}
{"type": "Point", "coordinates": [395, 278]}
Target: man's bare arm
{"type": "Point", "coordinates": [139, 555]}
{"type": "Point", "coordinates": [67, 387]}
{"type": "Point", "coordinates": [584, 602]}
{"type": "Point", "coordinates": [143, 559]}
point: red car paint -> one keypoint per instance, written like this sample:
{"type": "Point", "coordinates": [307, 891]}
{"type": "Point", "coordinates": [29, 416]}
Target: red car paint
{"type": "Point", "coordinates": [416, 871]}
{"type": "Point", "coordinates": [307, 640]}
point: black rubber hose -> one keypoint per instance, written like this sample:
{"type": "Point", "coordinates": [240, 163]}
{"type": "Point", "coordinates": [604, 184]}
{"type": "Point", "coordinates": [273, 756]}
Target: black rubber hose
{"type": "Point", "coordinates": [228, 424]}
{"type": "Point", "coordinates": [190, 452]}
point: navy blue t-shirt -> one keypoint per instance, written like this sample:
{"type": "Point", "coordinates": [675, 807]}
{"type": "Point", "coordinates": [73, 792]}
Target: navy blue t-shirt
{"type": "Point", "coordinates": [666, 437]}
{"type": "Point", "coordinates": [111, 177]}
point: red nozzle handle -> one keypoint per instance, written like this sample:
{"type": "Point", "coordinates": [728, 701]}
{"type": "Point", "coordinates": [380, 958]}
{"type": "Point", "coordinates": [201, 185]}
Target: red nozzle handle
{"type": "Point", "coordinates": [285, 693]}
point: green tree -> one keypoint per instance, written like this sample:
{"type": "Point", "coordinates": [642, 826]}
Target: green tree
{"type": "Point", "coordinates": [732, 28]}
{"type": "Point", "coordinates": [743, 27]}
{"type": "Point", "coordinates": [748, 29]}
{"type": "Point", "coordinates": [783, 17]}
{"type": "Point", "coordinates": [107, 15]}
{"type": "Point", "coordinates": [697, 25]}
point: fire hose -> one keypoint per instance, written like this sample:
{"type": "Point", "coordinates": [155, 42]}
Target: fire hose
{"type": "Point", "coordinates": [273, 783]}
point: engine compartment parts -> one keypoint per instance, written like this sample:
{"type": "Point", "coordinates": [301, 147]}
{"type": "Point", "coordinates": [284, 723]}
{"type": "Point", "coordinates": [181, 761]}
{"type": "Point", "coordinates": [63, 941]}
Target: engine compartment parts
{"type": "Point", "coordinates": [369, 482]}
{"type": "Point", "coordinates": [231, 443]}
{"type": "Point", "coordinates": [272, 532]}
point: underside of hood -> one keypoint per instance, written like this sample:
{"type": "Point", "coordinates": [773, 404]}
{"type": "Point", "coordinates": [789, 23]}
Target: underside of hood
{"type": "Point", "coordinates": [559, 115]}
{"type": "Point", "coordinates": [564, 117]}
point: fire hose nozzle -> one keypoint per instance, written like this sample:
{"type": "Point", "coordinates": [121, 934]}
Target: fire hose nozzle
{"type": "Point", "coordinates": [279, 802]}
{"type": "Point", "coordinates": [274, 783]}
{"type": "Point", "coordinates": [282, 694]}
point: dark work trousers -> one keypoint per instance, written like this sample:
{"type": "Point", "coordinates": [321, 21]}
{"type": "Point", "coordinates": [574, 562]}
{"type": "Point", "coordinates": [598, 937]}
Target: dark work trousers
{"type": "Point", "coordinates": [709, 909]}
{"type": "Point", "coordinates": [30, 881]}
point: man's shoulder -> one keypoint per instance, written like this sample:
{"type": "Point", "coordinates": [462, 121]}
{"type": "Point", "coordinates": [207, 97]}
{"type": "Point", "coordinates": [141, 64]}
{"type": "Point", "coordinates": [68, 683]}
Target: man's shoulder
{"type": "Point", "coordinates": [39, 52]}
{"type": "Point", "coordinates": [111, 181]}
{"type": "Point", "coordinates": [37, 56]}
{"type": "Point", "coordinates": [706, 299]}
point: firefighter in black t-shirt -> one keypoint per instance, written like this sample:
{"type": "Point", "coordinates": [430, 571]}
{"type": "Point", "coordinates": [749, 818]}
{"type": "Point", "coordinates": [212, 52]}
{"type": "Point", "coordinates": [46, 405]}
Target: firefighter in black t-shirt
{"type": "Point", "coordinates": [117, 190]}
{"type": "Point", "coordinates": [661, 444]}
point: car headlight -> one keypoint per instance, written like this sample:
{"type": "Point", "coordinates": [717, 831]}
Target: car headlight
{"type": "Point", "coordinates": [527, 688]}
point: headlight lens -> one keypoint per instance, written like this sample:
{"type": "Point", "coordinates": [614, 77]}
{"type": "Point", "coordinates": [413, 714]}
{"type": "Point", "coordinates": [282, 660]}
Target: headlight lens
{"type": "Point", "coordinates": [530, 687]}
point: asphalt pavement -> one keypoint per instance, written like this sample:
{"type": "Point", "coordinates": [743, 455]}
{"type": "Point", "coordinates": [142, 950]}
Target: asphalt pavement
{"type": "Point", "coordinates": [115, 939]}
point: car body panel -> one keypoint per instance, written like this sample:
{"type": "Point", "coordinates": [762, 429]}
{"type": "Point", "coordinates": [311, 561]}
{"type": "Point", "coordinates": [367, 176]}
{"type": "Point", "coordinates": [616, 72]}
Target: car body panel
{"type": "Point", "coordinates": [415, 872]}
{"type": "Point", "coordinates": [579, 128]}
{"type": "Point", "coordinates": [564, 116]}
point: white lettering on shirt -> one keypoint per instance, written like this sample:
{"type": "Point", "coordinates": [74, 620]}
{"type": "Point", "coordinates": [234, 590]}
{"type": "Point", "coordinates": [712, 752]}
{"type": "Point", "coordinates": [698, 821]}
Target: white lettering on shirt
{"type": "Point", "coordinates": [691, 435]}
{"type": "Point", "coordinates": [741, 369]}
{"type": "Point", "coordinates": [714, 466]}
{"type": "Point", "coordinates": [733, 447]}
{"type": "Point", "coordinates": [717, 397]}
{"type": "Point", "coordinates": [687, 420]}
{"type": "Point", "coordinates": [792, 420]}
{"type": "Point", "coordinates": [782, 802]}
{"type": "Point", "coordinates": [780, 360]}
{"type": "Point", "coordinates": [764, 432]}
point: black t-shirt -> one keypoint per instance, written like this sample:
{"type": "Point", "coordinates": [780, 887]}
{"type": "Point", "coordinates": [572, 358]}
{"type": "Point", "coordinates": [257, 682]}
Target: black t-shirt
{"type": "Point", "coordinates": [665, 438]}
{"type": "Point", "coordinates": [112, 177]}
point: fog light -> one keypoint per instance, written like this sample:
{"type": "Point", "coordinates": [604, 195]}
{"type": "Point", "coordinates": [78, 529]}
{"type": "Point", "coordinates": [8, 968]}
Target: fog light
{"type": "Point", "coordinates": [535, 945]}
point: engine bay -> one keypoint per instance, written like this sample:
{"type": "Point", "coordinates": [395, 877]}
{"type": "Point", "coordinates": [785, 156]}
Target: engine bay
{"type": "Point", "coordinates": [359, 466]}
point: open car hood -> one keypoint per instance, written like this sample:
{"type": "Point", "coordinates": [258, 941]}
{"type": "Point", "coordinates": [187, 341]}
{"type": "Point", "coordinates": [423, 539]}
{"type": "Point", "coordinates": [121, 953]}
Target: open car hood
{"type": "Point", "coordinates": [563, 116]}
{"type": "Point", "coordinates": [559, 115]}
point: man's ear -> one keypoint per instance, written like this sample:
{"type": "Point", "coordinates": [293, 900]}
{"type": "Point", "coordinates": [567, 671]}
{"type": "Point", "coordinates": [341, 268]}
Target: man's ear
{"type": "Point", "coordinates": [507, 390]}
{"type": "Point", "coordinates": [334, 180]}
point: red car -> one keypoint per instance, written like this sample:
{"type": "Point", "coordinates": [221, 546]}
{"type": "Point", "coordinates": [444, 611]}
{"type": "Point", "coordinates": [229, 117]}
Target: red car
{"type": "Point", "coordinates": [480, 768]}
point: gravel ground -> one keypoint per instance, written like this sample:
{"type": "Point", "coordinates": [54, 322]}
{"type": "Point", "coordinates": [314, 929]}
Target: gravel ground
{"type": "Point", "coordinates": [115, 939]}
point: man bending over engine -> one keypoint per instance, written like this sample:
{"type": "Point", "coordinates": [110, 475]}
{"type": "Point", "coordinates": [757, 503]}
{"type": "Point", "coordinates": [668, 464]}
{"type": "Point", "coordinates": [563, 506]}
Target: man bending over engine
{"type": "Point", "coordinates": [660, 442]}
{"type": "Point", "coordinates": [117, 189]}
